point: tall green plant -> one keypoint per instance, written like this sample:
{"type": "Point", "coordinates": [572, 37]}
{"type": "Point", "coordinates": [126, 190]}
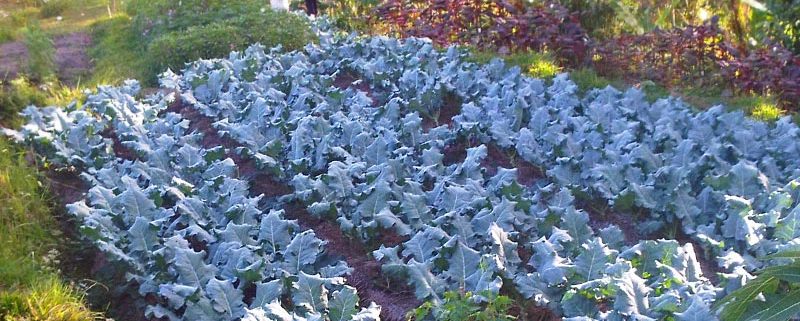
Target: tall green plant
{"type": "Point", "coordinates": [41, 62]}
{"type": "Point", "coordinates": [777, 21]}
{"type": "Point", "coordinates": [352, 15]}
{"type": "Point", "coordinates": [780, 287]}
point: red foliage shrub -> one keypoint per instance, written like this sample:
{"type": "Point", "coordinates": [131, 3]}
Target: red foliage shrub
{"type": "Point", "coordinates": [702, 57]}
{"type": "Point", "coordinates": [499, 25]}
{"type": "Point", "coordinates": [669, 57]}
{"type": "Point", "coordinates": [773, 70]}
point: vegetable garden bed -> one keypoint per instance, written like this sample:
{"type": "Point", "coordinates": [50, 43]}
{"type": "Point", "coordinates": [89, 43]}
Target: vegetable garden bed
{"type": "Point", "coordinates": [273, 185]}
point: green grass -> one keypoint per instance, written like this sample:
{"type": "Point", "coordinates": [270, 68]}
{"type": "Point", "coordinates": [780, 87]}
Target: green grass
{"type": "Point", "coordinates": [27, 230]}
{"type": "Point", "coordinates": [75, 15]}
{"type": "Point", "coordinates": [587, 79]}
{"type": "Point", "coordinates": [48, 299]}
{"type": "Point", "coordinates": [117, 52]}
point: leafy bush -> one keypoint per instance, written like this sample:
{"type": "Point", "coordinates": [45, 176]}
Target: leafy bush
{"type": "Point", "coordinates": [772, 70]}
{"type": "Point", "coordinates": [41, 63]}
{"type": "Point", "coordinates": [153, 18]}
{"type": "Point", "coordinates": [52, 8]}
{"type": "Point", "coordinates": [670, 57]}
{"type": "Point", "coordinates": [465, 307]}
{"type": "Point", "coordinates": [178, 32]}
{"type": "Point", "coordinates": [778, 22]}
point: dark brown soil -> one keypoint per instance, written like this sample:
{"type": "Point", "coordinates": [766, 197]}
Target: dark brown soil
{"type": "Point", "coordinates": [71, 57]}
{"type": "Point", "coordinates": [451, 107]}
{"type": "Point", "coordinates": [455, 152]}
{"type": "Point", "coordinates": [121, 151]}
{"type": "Point", "coordinates": [527, 173]}
{"type": "Point", "coordinates": [601, 217]}
{"type": "Point", "coordinates": [348, 79]}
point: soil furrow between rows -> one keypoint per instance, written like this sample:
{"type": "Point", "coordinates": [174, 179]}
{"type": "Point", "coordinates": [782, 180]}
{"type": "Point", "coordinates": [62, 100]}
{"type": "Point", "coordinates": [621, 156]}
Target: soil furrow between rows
{"type": "Point", "coordinates": [395, 299]}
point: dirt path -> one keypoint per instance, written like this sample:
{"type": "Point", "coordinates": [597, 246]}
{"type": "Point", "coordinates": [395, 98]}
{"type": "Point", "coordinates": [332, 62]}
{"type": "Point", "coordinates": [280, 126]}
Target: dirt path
{"type": "Point", "coordinates": [71, 57]}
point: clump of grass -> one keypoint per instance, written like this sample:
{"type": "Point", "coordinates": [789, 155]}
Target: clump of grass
{"type": "Point", "coordinates": [47, 299]}
{"type": "Point", "coordinates": [767, 112]}
{"type": "Point", "coordinates": [41, 63]}
{"type": "Point", "coordinates": [24, 16]}
{"type": "Point", "coordinates": [7, 33]}
{"type": "Point", "coordinates": [19, 94]}
{"type": "Point", "coordinates": [27, 230]}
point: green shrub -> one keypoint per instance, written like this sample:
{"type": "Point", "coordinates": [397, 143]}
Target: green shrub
{"type": "Point", "coordinates": [7, 33]}
{"type": "Point", "coordinates": [41, 63]}
{"type": "Point", "coordinates": [52, 8]}
{"type": "Point", "coordinates": [217, 39]}
{"type": "Point", "coordinates": [463, 307]}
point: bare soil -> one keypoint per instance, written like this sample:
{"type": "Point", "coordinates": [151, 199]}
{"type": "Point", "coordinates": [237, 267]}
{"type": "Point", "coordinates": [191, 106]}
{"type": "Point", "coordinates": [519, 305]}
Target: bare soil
{"type": "Point", "coordinates": [71, 57]}
{"type": "Point", "coordinates": [451, 107]}
{"type": "Point", "coordinates": [527, 173]}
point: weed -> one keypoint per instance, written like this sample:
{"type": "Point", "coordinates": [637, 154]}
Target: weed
{"type": "Point", "coordinates": [535, 64]}
{"type": "Point", "coordinates": [465, 307]}
{"type": "Point", "coordinates": [766, 111]}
